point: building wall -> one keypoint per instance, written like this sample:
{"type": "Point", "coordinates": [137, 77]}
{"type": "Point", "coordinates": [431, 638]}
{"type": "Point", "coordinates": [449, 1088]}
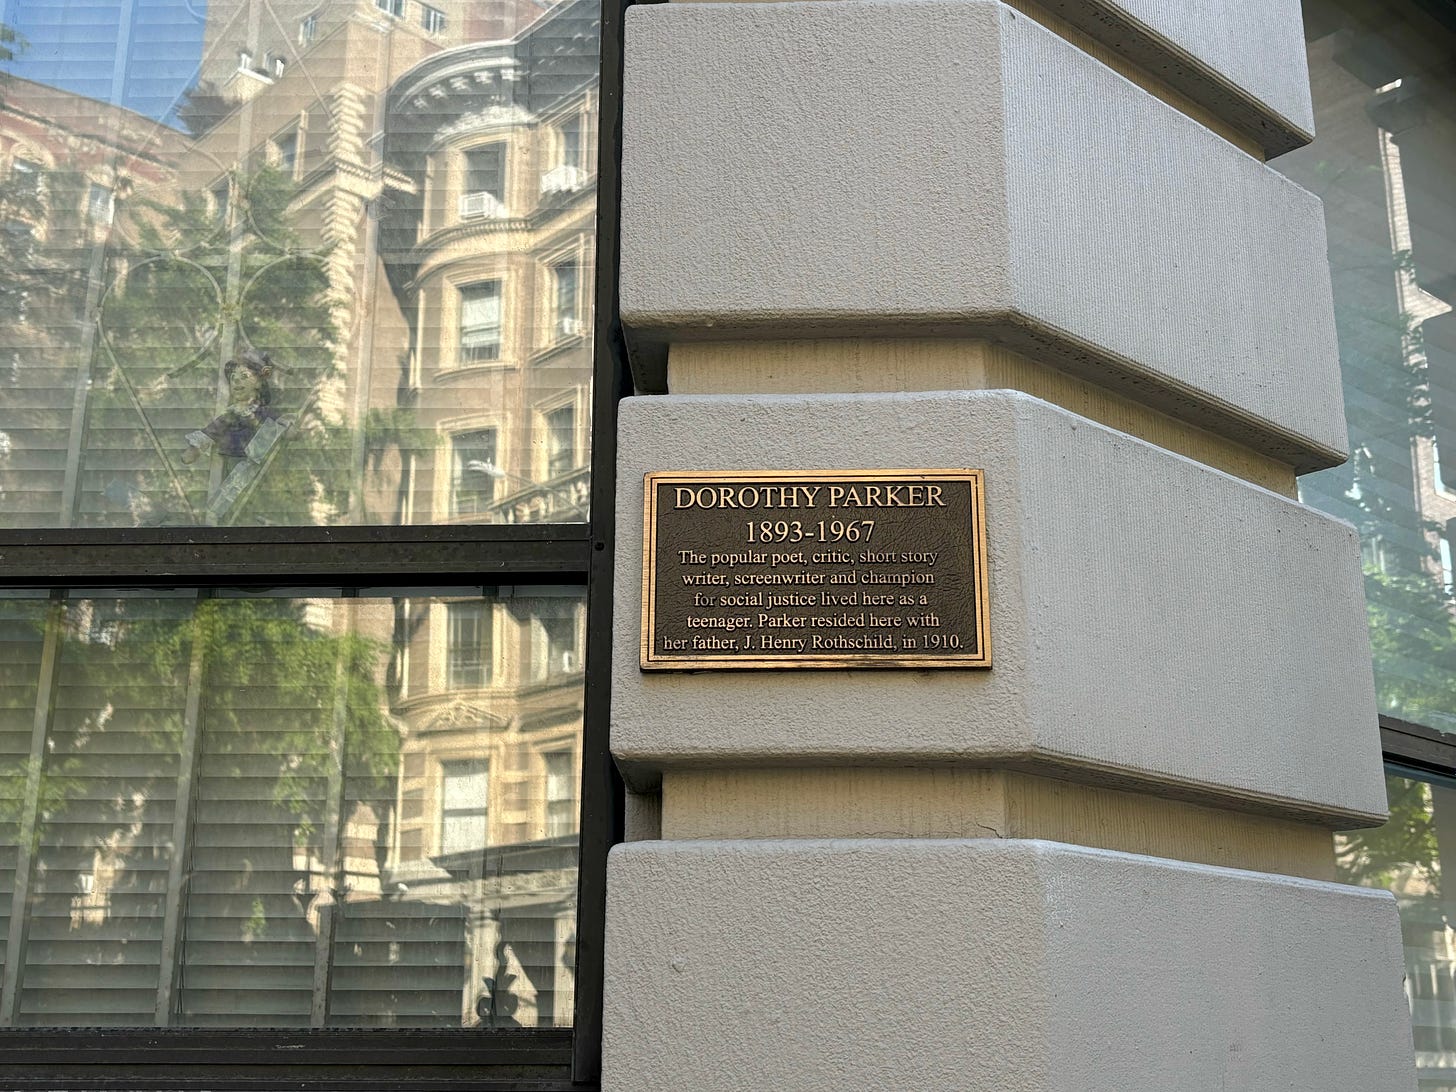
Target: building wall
{"type": "Point", "coordinates": [1093, 288]}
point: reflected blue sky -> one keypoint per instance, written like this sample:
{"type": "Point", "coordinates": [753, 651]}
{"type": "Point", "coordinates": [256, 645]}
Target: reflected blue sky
{"type": "Point", "coordinates": [140, 54]}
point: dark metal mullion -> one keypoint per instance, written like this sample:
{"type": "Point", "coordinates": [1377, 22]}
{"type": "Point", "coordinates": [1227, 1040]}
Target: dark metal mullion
{"type": "Point", "coordinates": [601, 785]}
{"type": "Point", "coordinates": [179, 867]}
{"type": "Point", "coordinates": [29, 835]}
{"type": "Point", "coordinates": [1417, 746]}
{"type": "Point", "coordinates": [23, 1048]}
{"type": "Point", "coordinates": [297, 555]}
{"type": "Point", "coordinates": [332, 843]}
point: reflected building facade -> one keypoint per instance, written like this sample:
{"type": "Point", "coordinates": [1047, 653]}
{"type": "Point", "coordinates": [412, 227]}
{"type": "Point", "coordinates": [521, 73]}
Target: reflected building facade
{"type": "Point", "coordinates": [402, 227]}
{"type": "Point", "coordinates": [1385, 111]}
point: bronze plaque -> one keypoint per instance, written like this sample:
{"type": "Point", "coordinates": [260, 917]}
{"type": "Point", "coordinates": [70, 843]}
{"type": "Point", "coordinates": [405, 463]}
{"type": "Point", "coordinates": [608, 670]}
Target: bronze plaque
{"type": "Point", "coordinates": [788, 568]}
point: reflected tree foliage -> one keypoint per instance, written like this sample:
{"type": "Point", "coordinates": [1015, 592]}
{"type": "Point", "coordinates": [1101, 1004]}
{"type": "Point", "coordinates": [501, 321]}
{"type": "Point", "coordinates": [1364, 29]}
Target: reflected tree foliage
{"type": "Point", "coordinates": [206, 280]}
{"type": "Point", "coordinates": [252, 728]}
{"type": "Point", "coordinates": [1402, 850]}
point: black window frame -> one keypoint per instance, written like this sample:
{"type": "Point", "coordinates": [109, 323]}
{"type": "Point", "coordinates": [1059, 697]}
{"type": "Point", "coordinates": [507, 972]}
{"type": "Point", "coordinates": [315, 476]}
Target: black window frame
{"type": "Point", "coordinates": [1416, 747]}
{"type": "Point", "coordinates": [57, 561]}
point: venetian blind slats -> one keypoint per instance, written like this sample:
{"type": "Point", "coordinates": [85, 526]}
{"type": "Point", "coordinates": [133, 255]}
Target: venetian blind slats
{"type": "Point", "coordinates": [103, 833]}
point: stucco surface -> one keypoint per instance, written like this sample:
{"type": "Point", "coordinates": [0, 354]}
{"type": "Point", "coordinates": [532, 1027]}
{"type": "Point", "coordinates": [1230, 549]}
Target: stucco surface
{"type": "Point", "coordinates": [996, 181]}
{"type": "Point", "coordinates": [1003, 966]}
{"type": "Point", "coordinates": [1153, 621]}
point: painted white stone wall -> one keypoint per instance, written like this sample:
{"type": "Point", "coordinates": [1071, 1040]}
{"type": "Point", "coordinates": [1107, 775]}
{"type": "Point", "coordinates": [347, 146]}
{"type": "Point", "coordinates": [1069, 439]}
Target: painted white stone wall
{"type": "Point", "coordinates": [921, 168]}
{"type": "Point", "coordinates": [991, 966]}
{"type": "Point", "coordinates": [926, 167]}
{"type": "Point", "coordinates": [1151, 618]}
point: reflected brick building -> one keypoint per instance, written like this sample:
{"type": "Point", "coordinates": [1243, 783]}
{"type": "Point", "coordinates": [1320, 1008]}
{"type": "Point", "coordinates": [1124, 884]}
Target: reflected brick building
{"type": "Point", "coordinates": [442, 196]}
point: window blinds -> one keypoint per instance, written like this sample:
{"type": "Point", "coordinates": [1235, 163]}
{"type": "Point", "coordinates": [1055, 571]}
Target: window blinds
{"type": "Point", "coordinates": [218, 829]}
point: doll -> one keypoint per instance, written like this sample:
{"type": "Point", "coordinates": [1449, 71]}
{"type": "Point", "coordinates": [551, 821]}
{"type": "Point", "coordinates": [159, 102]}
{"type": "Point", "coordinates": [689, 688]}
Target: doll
{"type": "Point", "coordinates": [252, 389]}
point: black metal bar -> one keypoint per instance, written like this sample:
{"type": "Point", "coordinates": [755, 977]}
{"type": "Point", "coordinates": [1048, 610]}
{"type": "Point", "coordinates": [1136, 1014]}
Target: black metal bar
{"type": "Point", "coordinates": [601, 789]}
{"type": "Point", "coordinates": [295, 1078]}
{"type": "Point", "coordinates": [1417, 746]}
{"type": "Point", "coordinates": [290, 555]}
{"type": "Point", "coordinates": [23, 1048]}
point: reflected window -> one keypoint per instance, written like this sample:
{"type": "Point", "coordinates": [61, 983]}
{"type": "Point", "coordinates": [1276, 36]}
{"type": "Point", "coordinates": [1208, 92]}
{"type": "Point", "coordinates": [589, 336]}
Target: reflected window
{"type": "Point", "coordinates": [100, 203]}
{"type": "Point", "coordinates": [285, 152]}
{"type": "Point", "coordinates": [564, 281]}
{"type": "Point", "coordinates": [571, 148]}
{"type": "Point", "coordinates": [307, 29]}
{"type": "Point", "coordinates": [390, 7]}
{"type": "Point", "coordinates": [464, 795]}
{"type": "Point", "coordinates": [25, 175]}
{"type": "Point", "coordinates": [472, 490]}
{"type": "Point", "coordinates": [432, 19]}
{"type": "Point", "coordinates": [560, 794]}
{"type": "Point", "coordinates": [468, 645]}
{"type": "Point", "coordinates": [480, 322]}
{"type": "Point", "coordinates": [220, 202]}
{"type": "Point", "coordinates": [485, 182]}
{"type": "Point", "coordinates": [556, 644]}
{"type": "Point", "coordinates": [560, 441]}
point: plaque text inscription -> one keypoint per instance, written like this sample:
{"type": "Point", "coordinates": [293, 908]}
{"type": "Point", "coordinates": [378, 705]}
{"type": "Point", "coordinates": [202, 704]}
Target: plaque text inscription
{"type": "Point", "coordinates": [792, 569]}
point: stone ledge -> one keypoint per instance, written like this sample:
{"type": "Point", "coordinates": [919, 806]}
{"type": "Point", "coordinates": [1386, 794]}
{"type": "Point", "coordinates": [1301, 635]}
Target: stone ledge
{"type": "Point", "coordinates": [1242, 60]}
{"type": "Point", "coordinates": [1155, 624]}
{"type": "Point", "coordinates": [991, 966]}
{"type": "Point", "coordinates": [997, 182]}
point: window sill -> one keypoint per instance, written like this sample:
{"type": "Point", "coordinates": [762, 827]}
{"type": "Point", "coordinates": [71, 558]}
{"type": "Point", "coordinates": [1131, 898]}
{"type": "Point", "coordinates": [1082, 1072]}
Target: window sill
{"type": "Point", "coordinates": [485, 367]}
{"type": "Point", "coordinates": [561, 346]}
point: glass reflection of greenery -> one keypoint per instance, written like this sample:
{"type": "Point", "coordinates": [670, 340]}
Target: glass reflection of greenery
{"type": "Point", "coordinates": [169, 321]}
{"type": "Point", "coordinates": [267, 724]}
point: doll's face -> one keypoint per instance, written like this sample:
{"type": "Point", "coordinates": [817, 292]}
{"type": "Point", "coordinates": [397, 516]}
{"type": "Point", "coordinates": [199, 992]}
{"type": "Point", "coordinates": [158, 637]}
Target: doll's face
{"type": "Point", "coordinates": [244, 385]}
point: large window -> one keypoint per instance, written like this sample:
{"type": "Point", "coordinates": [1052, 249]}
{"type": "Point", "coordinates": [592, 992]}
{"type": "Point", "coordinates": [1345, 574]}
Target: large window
{"type": "Point", "coordinates": [1382, 161]}
{"type": "Point", "coordinates": [280, 804]}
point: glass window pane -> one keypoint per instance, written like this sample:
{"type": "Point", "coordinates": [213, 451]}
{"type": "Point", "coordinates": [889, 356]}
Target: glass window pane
{"type": "Point", "coordinates": [287, 810]}
{"type": "Point", "coordinates": [1383, 162]}
{"type": "Point", "coordinates": [1406, 856]}
{"type": "Point", "coordinates": [264, 280]}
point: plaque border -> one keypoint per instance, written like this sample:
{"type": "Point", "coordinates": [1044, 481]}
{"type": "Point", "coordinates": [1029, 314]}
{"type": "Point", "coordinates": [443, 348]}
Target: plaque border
{"type": "Point", "coordinates": [647, 661]}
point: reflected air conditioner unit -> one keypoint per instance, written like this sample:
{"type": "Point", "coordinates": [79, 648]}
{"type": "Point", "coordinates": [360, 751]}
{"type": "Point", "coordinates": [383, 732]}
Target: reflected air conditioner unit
{"type": "Point", "coordinates": [563, 179]}
{"type": "Point", "coordinates": [481, 206]}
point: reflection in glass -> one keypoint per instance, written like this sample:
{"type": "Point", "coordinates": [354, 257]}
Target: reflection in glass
{"type": "Point", "coordinates": [393, 216]}
{"type": "Point", "coordinates": [1383, 162]}
{"type": "Point", "coordinates": [1406, 856]}
{"type": "Point", "coordinates": [299, 812]}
